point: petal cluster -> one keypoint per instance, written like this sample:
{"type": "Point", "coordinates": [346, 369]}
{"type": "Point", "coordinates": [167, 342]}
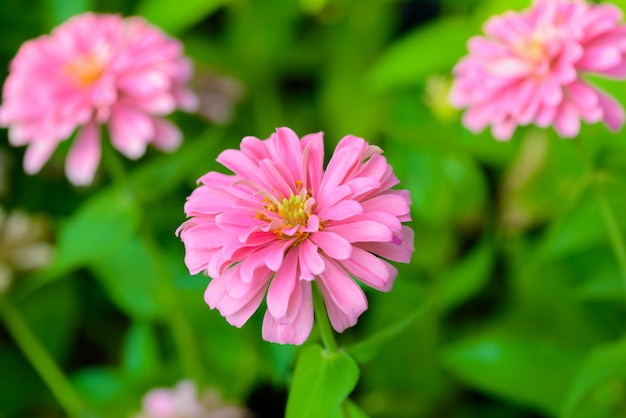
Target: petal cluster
{"type": "Point", "coordinates": [92, 70]}
{"type": "Point", "coordinates": [529, 68]}
{"type": "Point", "coordinates": [281, 222]}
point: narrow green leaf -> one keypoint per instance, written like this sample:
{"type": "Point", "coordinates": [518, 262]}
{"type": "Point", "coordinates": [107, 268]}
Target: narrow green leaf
{"type": "Point", "coordinates": [176, 19]}
{"type": "Point", "coordinates": [140, 353]}
{"type": "Point", "coordinates": [366, 349]}
{"type": "Point", "coordinates": [466, 278]}
{"type": "Point", "coordinates": [604, 364]}
{"type": "Point", "coordinates": [321, 382]}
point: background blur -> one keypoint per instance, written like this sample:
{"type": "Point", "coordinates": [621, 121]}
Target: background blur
{"type": "Point", "coordinates": [527, 303]}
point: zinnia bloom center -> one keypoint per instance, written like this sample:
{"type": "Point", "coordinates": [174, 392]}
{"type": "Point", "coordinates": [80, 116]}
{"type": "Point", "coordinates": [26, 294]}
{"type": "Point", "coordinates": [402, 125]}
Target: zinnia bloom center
{"type": "Point", "coordinates": [289, 217]}
{"type": "Point", "coordinates": [294, 211]}
{"type": "Point", "coordinates": [85, 70]}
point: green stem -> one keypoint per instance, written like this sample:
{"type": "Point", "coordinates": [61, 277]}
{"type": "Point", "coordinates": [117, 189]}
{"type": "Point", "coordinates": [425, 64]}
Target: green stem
{"type": "Point", "coordinates": [182, 332]}
{"type": "Point", "coordinates": [321, 316]}
{"type": "Point", "coordinates": [613, 229]}
{"type": "Point", "coordinates": [610, 221]}
{"type": "Point", "coordinates": [187, 349]}
{"type": "Point", "coordinates": [41, 361]}
{"type": "Point", "coordinates": [328, 337]}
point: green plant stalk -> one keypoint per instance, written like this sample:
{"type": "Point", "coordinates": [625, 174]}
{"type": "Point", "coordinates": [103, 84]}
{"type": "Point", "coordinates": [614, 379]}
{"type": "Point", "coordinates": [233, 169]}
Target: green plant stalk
{"type": "Point", "coordinates": [615, 235]}
{"type": "Point", "coordinates": [323, 323]}
{"type": "Point", "coordinates": [612, 226]}
{"type": "Point", "coordinates": [182, 333]}
{"type": "Point", "coordinates": [41, 361]}
{"type": "Point", "coordinates": [187, 349]}
{"type": "Point", "coordinates": [328, 337]}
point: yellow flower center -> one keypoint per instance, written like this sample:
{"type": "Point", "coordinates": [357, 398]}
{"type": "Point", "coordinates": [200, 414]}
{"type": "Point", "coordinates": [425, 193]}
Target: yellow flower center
{"type": "Point", "coordinates": [86, 70]}
{"type": "Point", "coordinates": [293, 211]}
{"type": "Point", "coordinates": [287, 217]}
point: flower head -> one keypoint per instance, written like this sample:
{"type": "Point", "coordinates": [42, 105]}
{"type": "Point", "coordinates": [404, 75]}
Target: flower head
{"type": "Point", "coordinates": [93, 70]}
{"type": "Point", "coordinates": [183, 401]}
{"type": "Point", "coordinates": [529, 69]}
{"type": "Point", "coordinates": [281, 222]}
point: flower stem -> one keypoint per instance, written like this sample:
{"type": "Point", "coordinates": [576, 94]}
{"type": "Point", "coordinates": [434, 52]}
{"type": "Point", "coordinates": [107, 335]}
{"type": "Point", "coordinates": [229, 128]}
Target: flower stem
{"type": "Point", "coordinates": [186, 346]}
{"type": "Point", "coordinates": [328, 338]}
{"type": "Point", "coordinates": [610, 221]}
{"type": "Point", "coordinates": [41, 361]}
{"type": "Point", "coordinates": [617, 241]}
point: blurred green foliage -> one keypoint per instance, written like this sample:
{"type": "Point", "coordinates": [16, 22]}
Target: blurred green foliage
{"type": "Point", "coordinates": [512, 307]}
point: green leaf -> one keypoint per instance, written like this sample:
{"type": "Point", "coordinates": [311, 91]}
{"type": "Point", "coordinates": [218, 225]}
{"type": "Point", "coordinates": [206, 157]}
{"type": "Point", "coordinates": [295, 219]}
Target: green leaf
{"type": "Point", "coordinates": [604, 364]}
{"type": "Point", "coordinates": [99, 226]}
{"type": "Point", "coordinates": [175, 19]}
{"type": "Point", "coordinates": [126, 272]}
{"type": "Point", "coordinates": [140, 353]}
{"type": "Point", "coordinates": [321, 382]}
{"type": "Point", "coordinates": [99, 385]}
{"type": "Point", "coordinates": [525, 370]}
{"type": "Point", "coordinates": [419, 54]}
{"type": "Point", "coordinates": [467, 277]}
{"type": "Point", "coordinates": [366, 349]}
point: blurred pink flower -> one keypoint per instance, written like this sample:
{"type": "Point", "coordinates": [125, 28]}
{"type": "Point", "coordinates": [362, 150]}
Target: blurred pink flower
{"type": "Point", "coordinates": [530, 66]}
{"type": "Point", "coordinates": [281, 222]}
{"type": "Point", "coordinates": [183, 401]}
{"type": "Point", "coordinates": [92, 70]}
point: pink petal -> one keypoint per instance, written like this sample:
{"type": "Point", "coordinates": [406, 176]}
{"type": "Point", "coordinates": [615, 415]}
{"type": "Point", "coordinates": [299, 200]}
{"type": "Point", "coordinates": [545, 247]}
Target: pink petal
{"type": "Point", "coordinates": [371, 270]}
{"type": "Point", "coordinates": [567, 121]}
{"type": "Point", "coordinates": [167, 136]}
{"type": "Point", "coordinates": [130, 131]}
{"type": "Point", "coordinates": [362, 231]}
{"type": "Point", "coordinates": [339, 289]}
{"type": "Point", "coordinates": [282, 286]}
{"type": "Point", "coordinates": [335, 246]}
{"type": "Point", "coordinates": [311, 262]}
{"type": "Point", "coordinates": [37, 154]}
{"type": "Point", "coordinates": [613, 111]}
{"type": "Point", "coordinates": [84, 156]}
{"type": "Point", "coordinates": [296, 332]}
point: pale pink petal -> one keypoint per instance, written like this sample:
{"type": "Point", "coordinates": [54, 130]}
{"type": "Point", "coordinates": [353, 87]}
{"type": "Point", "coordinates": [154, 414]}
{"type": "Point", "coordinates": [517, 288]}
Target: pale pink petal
{"type": "Point", "coordinates": [37, 154]}
{"type": "Point", "coordinates": [613, 111]}
{"type": "Point", "coordinates": [282, 286]}
{"type": "Point", "coordinates": [343, 292]}
{"type": "Point", "coordinates": [296, 332]}
{"type": "Point", "coordinates": [84, 156]}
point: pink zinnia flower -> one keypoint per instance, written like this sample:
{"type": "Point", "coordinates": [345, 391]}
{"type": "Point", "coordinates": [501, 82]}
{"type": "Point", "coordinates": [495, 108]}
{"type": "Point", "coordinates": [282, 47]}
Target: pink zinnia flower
{"type": "Point", "coordinates": [92, 70]}
{"type": "Point", "coordinates": [281, 222]}
{"type": "Point", "coordinates": [530, 66]}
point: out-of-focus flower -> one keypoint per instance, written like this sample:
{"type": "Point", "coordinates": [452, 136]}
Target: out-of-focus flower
{"type": "Point", "coordinates": [183, 401]}
{"type": "Point", "coordinates": [217, 94]}
{"type": "Point", "coordinates": [24, 245]}
{"type": "Point", "coordinates": [437, 90]}
{"type": "Point", "coordinates": [281, 222]}
{"type": "Point", "coordinates": [530, 67]}
{"type": "Point", "coordinates": [93, 70]}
